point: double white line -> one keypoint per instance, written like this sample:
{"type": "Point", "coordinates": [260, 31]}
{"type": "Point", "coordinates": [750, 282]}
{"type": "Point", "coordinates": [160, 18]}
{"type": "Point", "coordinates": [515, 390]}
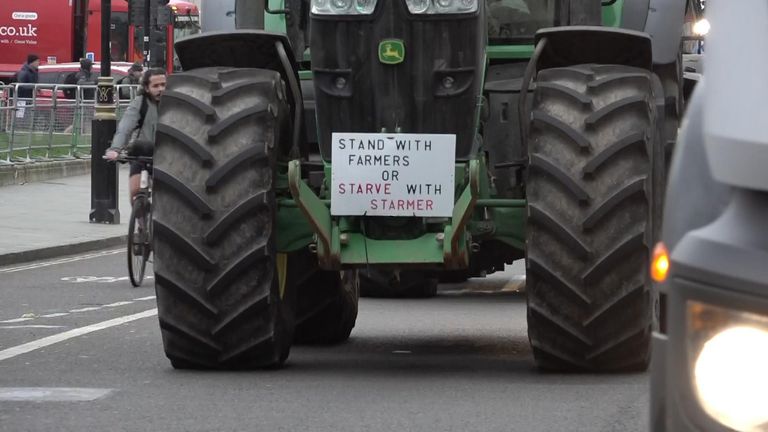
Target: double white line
{"type": "Point", "coordinates": [50, 340]}
{"type": "Point", "coordinates": [60, 337]}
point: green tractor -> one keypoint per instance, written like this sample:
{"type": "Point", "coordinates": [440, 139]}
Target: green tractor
{"type": "Point", "coordinates": [332, 139]}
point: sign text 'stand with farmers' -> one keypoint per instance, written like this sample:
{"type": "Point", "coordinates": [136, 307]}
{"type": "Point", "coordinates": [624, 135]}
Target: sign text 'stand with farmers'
{"type": "Point", "coordinates": [378, 174]}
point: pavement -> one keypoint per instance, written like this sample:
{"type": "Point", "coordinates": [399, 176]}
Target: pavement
{"type": "Point", "coordinates": [49, 218]}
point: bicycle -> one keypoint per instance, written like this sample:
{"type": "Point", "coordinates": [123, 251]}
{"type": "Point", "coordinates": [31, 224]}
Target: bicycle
{"type": "Point", "coordinates": [140, 223]}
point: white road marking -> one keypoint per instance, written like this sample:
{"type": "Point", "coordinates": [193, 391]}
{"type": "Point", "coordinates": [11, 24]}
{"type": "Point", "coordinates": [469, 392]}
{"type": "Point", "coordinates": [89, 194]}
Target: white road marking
{"type": "Point", "coordinates": [50, 340]}
{"type": "Point", "coordinates": [61, 261]}
{"type": "Point", "coordinates": [55, 315]}
{"type": "Point", "coordinates": [30, 316]}
{"type": "Point", "coordinates": [79, 279]}
{"type": "Point", "coordinates": [16, 320]}
{"type": "Point", "coordinates": [85, 309]}
{"type": "Point", "coordinates": [42, 394]}
{"type": "Point", "coordinates": [98, 279]}
{"type": "Point", "coordinates": [31, 326]}
{"type": "Point", "coordinates": [117, 304]}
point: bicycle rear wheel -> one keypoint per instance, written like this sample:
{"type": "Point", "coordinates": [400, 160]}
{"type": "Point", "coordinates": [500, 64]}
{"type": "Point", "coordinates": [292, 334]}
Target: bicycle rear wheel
{"type": "Point", "coordinates": [138, 240]}
{"type": "Point", "coordinates": [148, 247]}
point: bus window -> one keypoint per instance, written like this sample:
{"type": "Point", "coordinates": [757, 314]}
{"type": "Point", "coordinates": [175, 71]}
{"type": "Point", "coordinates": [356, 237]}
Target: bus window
{"type": "Point", "coordinates": [119, 36]}
{"type": "Point", "coordinates": [183, 27]}
{"type": "Point", "coordinates": [138, 45]}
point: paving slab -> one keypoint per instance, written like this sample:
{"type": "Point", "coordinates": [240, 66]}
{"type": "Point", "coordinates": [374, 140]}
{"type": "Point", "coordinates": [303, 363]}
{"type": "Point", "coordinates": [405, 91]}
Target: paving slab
{"type": "Point", "coordinates": [49, 218]}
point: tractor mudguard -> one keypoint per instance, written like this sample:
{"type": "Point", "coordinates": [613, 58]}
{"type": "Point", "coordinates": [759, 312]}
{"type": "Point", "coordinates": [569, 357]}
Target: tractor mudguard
{"type": "Point", "coordinates": [240, 49]}
{"type": "Point", "coordinates": [573, 45]}
{"type": "Point", "coordinates": [249, 49]}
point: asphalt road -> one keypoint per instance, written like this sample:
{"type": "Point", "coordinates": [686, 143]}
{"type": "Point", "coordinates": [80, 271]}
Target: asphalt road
{"type": "Point", "coordinates": [81, 350]}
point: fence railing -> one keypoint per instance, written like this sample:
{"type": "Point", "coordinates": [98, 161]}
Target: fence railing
{"type": "Point", "coordinates": [50, 121]}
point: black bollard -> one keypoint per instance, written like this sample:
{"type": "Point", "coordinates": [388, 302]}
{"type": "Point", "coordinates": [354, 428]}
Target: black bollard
{"type": "Point", "coordinates": [104, 180]}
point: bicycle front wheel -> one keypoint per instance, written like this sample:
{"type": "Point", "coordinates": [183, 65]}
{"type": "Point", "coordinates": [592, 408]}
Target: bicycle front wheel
{"type": "Point", "coordinates": [138, 240]}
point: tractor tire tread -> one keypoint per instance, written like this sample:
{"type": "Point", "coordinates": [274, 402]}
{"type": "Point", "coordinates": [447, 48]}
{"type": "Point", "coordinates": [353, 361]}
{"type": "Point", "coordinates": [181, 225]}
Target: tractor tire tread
{"type": "Point", "coordinates": [219, 301]}
{"type": "Point", "coordinates": [591, 219]}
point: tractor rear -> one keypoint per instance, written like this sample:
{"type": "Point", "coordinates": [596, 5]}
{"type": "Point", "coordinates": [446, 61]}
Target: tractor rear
{"type": "Point", "coordinates": [402, 143]}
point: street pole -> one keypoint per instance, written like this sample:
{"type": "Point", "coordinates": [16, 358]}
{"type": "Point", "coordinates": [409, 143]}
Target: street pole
{"type": "Point", "coordinates": [145, 30]}
{"type": "Point", "coordinates": [104, 180]}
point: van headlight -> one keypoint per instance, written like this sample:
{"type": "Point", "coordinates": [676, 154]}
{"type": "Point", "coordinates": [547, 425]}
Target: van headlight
{"type": "Point", "coordinates": [433, 7]}
{"type": "Point", "coordinates": [728, 351]}
{"type": "Point", "coordinates": [702, 27]}
{"type": "Point", "coordinates": [343, 7]}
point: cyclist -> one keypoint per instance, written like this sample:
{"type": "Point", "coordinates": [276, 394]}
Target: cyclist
{"type": "Point", "coordinates": [139, 122]}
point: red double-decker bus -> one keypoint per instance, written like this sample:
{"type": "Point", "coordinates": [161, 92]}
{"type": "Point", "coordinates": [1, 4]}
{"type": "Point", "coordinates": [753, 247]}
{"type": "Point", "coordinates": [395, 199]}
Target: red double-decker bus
{"type": "Point", "coordinates": [62, 31]}
{"type": "Point", "coordinates": [126, 38]}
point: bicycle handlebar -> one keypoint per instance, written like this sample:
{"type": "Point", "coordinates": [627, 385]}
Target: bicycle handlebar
{"type": "Point", "coordinates": [124, 158]}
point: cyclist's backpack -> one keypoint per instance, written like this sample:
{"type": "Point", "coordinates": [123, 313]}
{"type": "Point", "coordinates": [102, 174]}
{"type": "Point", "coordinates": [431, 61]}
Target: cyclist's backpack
{"type": "Point", "coordinates": [142, 112]}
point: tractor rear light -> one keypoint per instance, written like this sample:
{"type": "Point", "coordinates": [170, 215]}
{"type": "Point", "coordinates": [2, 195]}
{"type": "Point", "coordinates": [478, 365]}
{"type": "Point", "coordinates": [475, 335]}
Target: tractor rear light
{"type": "Point", "coordinates": [660, 263]}
{"type": "Point", "coordinates": [434, 7]}
{"type": "Point", "coordinates": [343, 7]}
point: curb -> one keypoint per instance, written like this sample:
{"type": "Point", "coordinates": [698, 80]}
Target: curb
{"type": "Point", "coordinates": [21, 173]}
{"type": "Point", "coordinates": [58, 251]}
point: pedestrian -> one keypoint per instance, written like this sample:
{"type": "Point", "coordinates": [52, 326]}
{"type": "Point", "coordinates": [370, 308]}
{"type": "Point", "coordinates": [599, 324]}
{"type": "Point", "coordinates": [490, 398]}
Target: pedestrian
{"type": "Point", "coordinates": [28, 75]}
{"type": "Point", "coordinates": [86, 77]}
{"type": "Point", "coordinates": [133, 78]}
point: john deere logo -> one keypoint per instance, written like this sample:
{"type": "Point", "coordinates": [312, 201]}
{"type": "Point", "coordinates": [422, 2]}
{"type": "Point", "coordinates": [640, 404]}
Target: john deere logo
{"type": "Point", "coordinates": [391, 51]}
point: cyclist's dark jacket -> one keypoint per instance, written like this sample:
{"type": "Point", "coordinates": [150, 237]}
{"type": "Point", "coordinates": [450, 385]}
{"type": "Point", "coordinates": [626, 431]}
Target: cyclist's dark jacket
{"type": "Point", "coordinates": [126, 130]}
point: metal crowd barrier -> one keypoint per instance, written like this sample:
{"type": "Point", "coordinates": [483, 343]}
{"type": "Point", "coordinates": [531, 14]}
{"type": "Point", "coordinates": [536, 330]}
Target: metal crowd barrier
{"type": "Point", "coordinates": [55, 123]}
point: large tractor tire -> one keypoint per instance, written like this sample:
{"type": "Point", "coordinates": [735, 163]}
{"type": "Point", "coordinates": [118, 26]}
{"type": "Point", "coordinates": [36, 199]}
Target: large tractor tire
{"type": "Point", "coordinates": [327, 307]}
{"type": "Point", "coordinates": [671, 77]}
{"type": "Point", "coordinates": [380, 283]}
{"type": "Point", "coordinates": [221, 303]}
{"type": "Point", "coordinates": [596, 160]}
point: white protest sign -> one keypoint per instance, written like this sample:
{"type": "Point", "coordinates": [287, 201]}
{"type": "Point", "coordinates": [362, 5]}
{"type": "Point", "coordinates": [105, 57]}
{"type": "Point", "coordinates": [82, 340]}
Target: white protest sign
{"type": "Point", "coordinates": [378, 174]}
